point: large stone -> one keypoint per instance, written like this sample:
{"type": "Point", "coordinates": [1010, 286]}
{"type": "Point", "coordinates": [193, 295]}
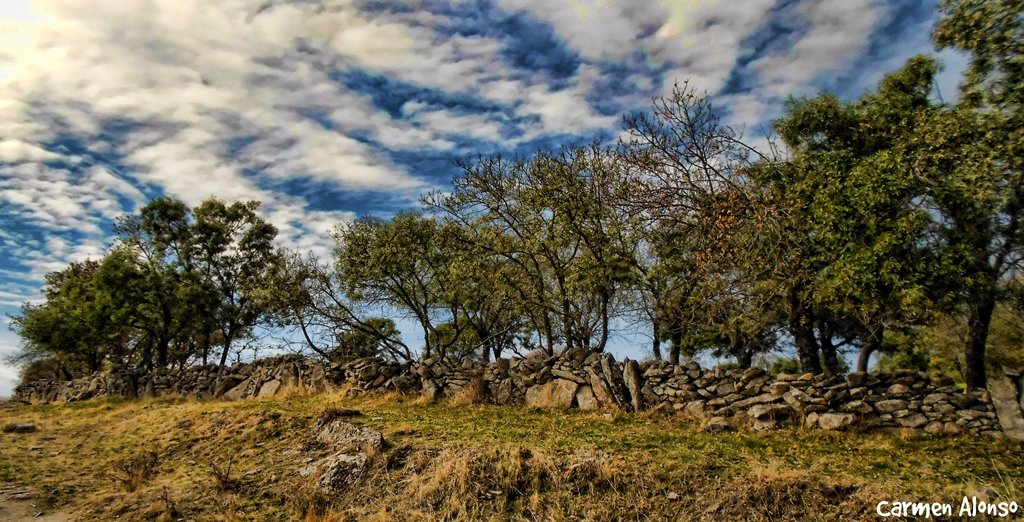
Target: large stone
{"type": "Point", "coordinates": [716, 424]}
{"type": "Point", "coordinates": [238, 391]}
{"type": "Point", "coordinates": [269, 388]}
{"type": "Point", "coordinates": [631, 379]}
{"type": "Point", "coordinates": [835, 421]}
{"type": "Point", "coordinates": [431, 390]}
{"type": "Point", "coordinates": [585, 398]}
{"type": "Point", "coordinates": [289, 376]}
{"type": "Point", "coordinates": [1004, 398]}
{"type": "Point", "coordinates": [330, 429]}
{"type": "Point", "coordinates": [337, 472]}
{"type": "Point", "coordinates": [891, 405]}
{"type": "Point", "coordinates": [916, 420]}
{"type": "Point", "coordinates": [697, 409]}
{"type": "Point", "coordinates": [769, 412]}
{"type": "Point", "coordinates": [601, 391]}
{"type": "Point", "coordinates": [556, 393]}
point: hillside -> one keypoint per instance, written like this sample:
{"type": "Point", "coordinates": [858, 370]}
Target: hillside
{"type": "Point", "coordinates": [215, 460]}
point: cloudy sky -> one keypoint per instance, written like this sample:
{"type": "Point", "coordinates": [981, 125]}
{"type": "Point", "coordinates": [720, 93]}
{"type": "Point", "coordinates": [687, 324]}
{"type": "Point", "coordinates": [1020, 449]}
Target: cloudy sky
{"type": "Point", "coordinates": [329, 109]}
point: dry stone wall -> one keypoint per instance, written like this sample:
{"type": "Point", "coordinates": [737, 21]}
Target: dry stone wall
{"type": "Point", "coordinates": [591, 380]}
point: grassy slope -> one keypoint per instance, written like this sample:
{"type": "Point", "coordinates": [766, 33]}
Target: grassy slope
{"type": "Point", "coordinates": [481, 462]}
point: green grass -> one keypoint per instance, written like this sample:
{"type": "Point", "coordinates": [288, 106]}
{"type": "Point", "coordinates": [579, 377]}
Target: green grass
{"type": "Point", "coordinates": [568, 465]}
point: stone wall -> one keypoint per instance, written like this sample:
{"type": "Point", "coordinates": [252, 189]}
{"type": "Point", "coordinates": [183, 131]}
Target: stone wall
{"type": "Point", "coordinates": [588, 380]}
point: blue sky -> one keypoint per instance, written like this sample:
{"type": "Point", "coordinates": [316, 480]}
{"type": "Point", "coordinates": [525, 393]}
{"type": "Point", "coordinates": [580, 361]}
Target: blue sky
{"type": "Point", "coordinates": [326, 110]}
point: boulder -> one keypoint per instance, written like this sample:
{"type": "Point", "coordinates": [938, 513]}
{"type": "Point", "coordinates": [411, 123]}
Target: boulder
{"type": "Point", "coordinates": [431, 390]}
{"type": "Point", "coordinates": [585, 398]}
{"type": "Point", "coordinates": [697, 409]}
{"type": "Point", "coordinates": [337, 472]}
{"type": "Point", "coordinates": [330, 429]}
{"type": "Point", "coordinates": [238, 391]}
{"type": "Point", "coordinates": [556, 393]}
{"type": "Point", "coordinates": [269, 388]}
{"type": "Point", "coordinates": [1004, 398]}
{"type": "Point", "coordinates": [716, 424]}
{"type": "Point", "coordinates": [835, 421]}
{"type": "Point", "coordinates": [769, 412]}
{"type": "Point", "coordinates": [600, 389]}
{"type": "Point", "coordinates": [632, 380]}
{"type": "Point", "coordinates": [891, 405]}
{"type": "Point", "coordinates": [915, 420]}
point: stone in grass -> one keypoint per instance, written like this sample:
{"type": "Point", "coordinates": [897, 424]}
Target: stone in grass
{"type": "Point", "coordinates": [19, 428]}
{"type": "Point", "coordinates": [716, 424]}
{"type": "Point", "coordinates": [835, 421]}
{"type": "Point", "coordinates": [331, 430]}
{"type": "Point", "coordinates": [337, 472]}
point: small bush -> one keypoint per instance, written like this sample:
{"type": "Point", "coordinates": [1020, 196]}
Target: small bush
{"type": "Point", "coordinates": [135, 471]}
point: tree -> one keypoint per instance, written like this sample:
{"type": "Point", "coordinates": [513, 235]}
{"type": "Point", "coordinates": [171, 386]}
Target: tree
{"type": "Point", "coordinates": [849, 203]}
{"type": "Point", "coordinates": [74, 328]}
{"type": "Point", "coordinates": [231, 249]}
{"type": "Point", "coordinates": [981, 193]}
{"type": "Point", "coordinates": [551, 226]}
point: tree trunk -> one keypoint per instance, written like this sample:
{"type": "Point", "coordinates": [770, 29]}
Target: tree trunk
{"type": "Point", "coordinates": [801, 328]}
{"type": "Point", "coordinates": [656, 344]}
{"type": "Point", "coordinates": [828, 350]}
{"type": "Point", "coordinates": [979, 317]}
{"type": "Point", "coordinates": [745, 357]}
{"type": "Point", "coordinates": [674, 348]}
{"type": "Point", "coordinates": [873, 344]}
{"type": "Point", "coordinates": [605, 299]}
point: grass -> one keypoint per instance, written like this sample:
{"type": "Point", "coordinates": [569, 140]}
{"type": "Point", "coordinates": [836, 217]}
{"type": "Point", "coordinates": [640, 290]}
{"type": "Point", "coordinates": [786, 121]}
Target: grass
{"type": "Point", "coordinates": [209, 460]}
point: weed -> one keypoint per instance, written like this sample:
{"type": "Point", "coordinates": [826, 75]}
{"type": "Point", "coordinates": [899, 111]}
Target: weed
{"type": "Point", "coordinates": [223, 481]}
{"type": "Point", "coordinates": [136, 470]}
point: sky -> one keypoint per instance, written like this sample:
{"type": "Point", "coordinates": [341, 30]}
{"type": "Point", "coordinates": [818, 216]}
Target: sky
{"type": "Point", "coordinates": [328, 110]}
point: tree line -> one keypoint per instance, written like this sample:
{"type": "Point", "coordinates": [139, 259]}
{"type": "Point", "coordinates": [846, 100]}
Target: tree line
{"type": "Point", "coordinates": [889, 225]}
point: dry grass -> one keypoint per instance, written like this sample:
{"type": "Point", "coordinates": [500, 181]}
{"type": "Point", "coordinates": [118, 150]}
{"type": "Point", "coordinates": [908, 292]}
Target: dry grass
{"type": "Point", "coordinates": [472, 393]}
{"type": "Point", "coordinates": [477, 462]}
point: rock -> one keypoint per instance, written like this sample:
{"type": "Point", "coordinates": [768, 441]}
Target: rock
{"type": "Point", "coordinates": [915, 420]}
{"type": "Point", "coordinates": [1004, 398]}
{"type": "Point", "coordinates": [934, 428]}
{"type": "Point", "coordinates": [585, 398]}
{"type": "Point", "coordinates": [811, 421]}
{"type": "Point", "coordinates": [569, 376]}
{"type": "Point", "coordinates": [19, 428]}
{"type": "Point", "coordinates": [226, 383]}
{"type": "Point", "coordinates": [890, 406]}
{"type": "Point", "coordinates": [238, 391]}
{"type": "Point", "coordinates": [289, 376]}
{"type": "Point", "coordinates": [950, 428]}
{"type": "Point", "coordinates": [268, 389]}
{"type": "Point", "coordinates": [600, 388]}
{"type": "Point", "coordinates": [716, 424]}
{"type": "Point", "coordinates": [696, 409]}
{"type": "Point", "coordinates": [856, 379]}
{"type": "Point", "coordinates": [835, 421]}
{"type": "Point", "coordinates": [338, 472]}
{"type": "Point", "coordinates": [431, 390]}
{"type": "Point", "coordinates": [898, 389]}
{"type": "Point", "coordinates": [337, 433]}
{"type": "Point", "coordinates": [759, 399]}
{"type": "Point", "coordinates": [631, 379]}
{"type": "Point", "coordinates": [769, 412]}
{"type": "Point", "coordinates": [778, 389]}
{"type": "Point", "coordinates": [556, 393]}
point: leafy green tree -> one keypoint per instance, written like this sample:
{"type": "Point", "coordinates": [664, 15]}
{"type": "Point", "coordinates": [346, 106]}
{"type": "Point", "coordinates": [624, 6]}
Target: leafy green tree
{"type": "Point", "coordinates": [232, 250]}
{"type": "Point", "coordinates": [74, 328]}
{"type": "Point", "coordinates": [980, 192]}
{"type": "Point", "coordinates": [551, 225]}
{"type": "Point", "coordinates": [849, 213]}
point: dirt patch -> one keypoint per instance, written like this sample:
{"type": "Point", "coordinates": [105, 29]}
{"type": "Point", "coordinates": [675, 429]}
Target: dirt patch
{"type": "Point", "coordinates": [19, 504]}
